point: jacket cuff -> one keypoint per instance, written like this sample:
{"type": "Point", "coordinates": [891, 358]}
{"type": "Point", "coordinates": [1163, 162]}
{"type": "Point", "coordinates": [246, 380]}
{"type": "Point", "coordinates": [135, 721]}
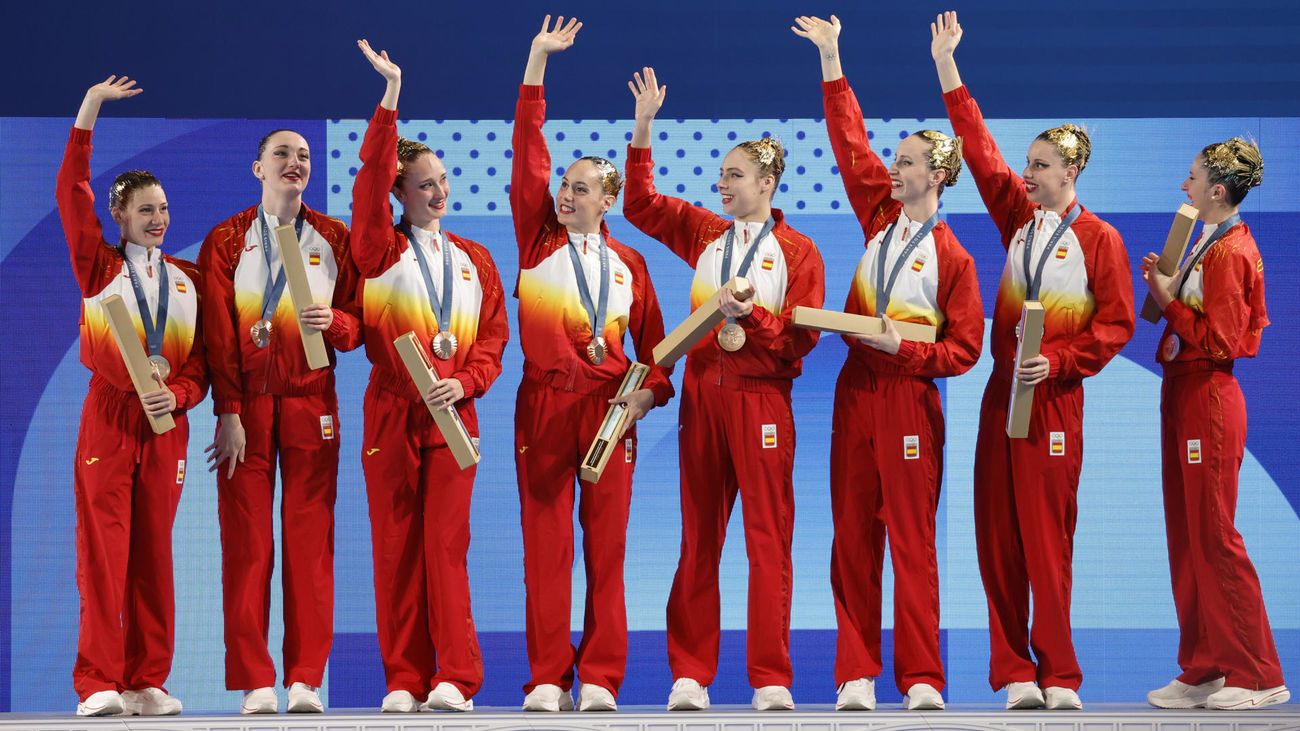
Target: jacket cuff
{"type": "Point", "coordinates": [638, 155]}
{"type": "Point", "coordinates": [466, 384]}
{"type": "Point", "coordinates": [80, 136]}
{"type": "Point", "coordinates": [384, 116]}
{"type": "Point", "coordinates": [960, 95]}
{"type": "Point", "coordinates": [837, 86]}
{"type": "Point", "coordinates": [906, 351]}
{"type": "Point", "coordinates": [1053, 365]}
{"type": "Point", "coordinates": [529, 92]}
{"type": "Point", "coordinates": [228, 406]}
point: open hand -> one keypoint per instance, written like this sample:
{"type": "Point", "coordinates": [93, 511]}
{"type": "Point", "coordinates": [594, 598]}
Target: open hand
{"type": "Point", "coordinates": [823, 34]}
{"type": "Point", "coordinates": [382, 63]}
{"type": "Point", "coordinates": [549, 40]}
{"type": "Point", "coordinates": [649, 94]}
{"type": "Point", "coordinates": [945, 34]}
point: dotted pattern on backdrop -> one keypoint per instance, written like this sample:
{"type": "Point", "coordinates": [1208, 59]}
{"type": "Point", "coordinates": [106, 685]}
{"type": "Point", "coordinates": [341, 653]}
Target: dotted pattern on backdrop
{"type": "Point", "coordinates": [687, 154]}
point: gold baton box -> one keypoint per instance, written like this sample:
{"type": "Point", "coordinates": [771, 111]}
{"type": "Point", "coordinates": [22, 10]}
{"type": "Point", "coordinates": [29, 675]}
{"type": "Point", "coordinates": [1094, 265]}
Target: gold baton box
{"type": "Point", "coordinates": [1022, 396]}
{"type": "Point", "coordinates": [1180, 233]}
{"type": "Point", "coordinates": [295, 274]}
{"type": "Point", "coordinates": [593, 465]}
{"type": "Point", "coordinates": [134, 357]}
{"type": "Point", "coordinates": [698, 324]}
{"type": "Point", "coordinates": [446, 417]}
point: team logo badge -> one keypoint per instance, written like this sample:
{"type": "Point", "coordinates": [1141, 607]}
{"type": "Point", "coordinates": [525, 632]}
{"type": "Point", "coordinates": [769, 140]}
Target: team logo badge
{"type": "Point", "coordinates": [464, 273]}
{"type": "Point", "coordinates": [769, 436]}
{"type": "Point", "coordinates": [180, 286]}
{"type": "Point", "coordinates": [1193, 451]}
{"type": "Point", "coordinates": [618, 277]}
{"type": "Point", "coordinates": [1056, 444]}
{"type": "Point", "coordinates": [768, 263]}
{"type": "Point", "coordinates": [180, 471]}
{"type": "Point", "coordinates": [327, 427]}
{"type": "Point", "coordinates": [627, 450]}
{"type": "Point", "coordinates": [313, 256]}
{"type": "Point", "coordinates": [911, 447]}
{"type": "Point", "coordinates": [1062, 251]}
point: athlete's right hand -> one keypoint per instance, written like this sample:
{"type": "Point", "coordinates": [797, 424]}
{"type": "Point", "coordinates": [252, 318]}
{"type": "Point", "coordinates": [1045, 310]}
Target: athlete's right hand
{"type": "Point", "coordinates": [945, 34]}
{"type": "Point", "coordinates": [549, 40]}
{"type": "Point", "coordinates": [112, 88]}
{"type": "Point", "coordinates": [382, 63]}
{"type": "Point", "coordinates": [229, 444]}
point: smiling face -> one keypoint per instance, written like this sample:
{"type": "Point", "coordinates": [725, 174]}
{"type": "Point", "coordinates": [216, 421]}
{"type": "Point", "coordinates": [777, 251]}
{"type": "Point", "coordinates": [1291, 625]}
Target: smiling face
{"type": "Point", "coordinates": [1049, 182]}
{"type": "Point", "coordinates": [143, 216]}
{"type": "Point", "coordinates": [911, 179]}
{"type": "Point", "coordinates": [284, 165]}
{"type": "Point", "coordinates": [1201, 193]}
{"type": "Point", "coordinates": [746, 194]}
{"type": "Point", "coordinates": [423, 190]}
{"type": "Point", "coordinates": [582, 201]}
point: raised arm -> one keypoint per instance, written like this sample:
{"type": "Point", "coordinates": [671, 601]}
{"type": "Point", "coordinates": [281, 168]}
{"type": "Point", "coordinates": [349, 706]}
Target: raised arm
{"type": "Point", "coordinates": [549, 40]}
{"type": "Point", "coordinates": [650, 98]}
{"type": "Point", "coordinates": [391, 72]}
{"type": "Point", "coordinates": [826, 36]}
{"type": "Point", "coordinates": [106, 90]}
{"type": "Point", "coordinates": [373, 243]}
{"type": "Point", "coordinates": [945, 34]}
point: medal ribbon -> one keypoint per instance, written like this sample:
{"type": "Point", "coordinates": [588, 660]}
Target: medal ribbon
{"type": "Point", "coordinates": [441, 306]}
{"type": "Point", "coordinates": [274, 287]}
{"type": "Point", "coordinates": [154, 328]}
{"type": "Point", "coordinates": [1032, 284]}
{"type": "Point", "coordinates": [749, 255]}
{"type": "Point", "coordinates": [1222, 229]}
{"type": "Point", "coordinates": [596, 312]}
{"type": "Point", "coordinates": [883, 288]}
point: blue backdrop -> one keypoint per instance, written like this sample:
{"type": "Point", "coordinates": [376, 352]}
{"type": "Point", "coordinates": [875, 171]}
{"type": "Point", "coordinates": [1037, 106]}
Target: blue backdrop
{"type": "Point", "coordinates": [1183, 71]}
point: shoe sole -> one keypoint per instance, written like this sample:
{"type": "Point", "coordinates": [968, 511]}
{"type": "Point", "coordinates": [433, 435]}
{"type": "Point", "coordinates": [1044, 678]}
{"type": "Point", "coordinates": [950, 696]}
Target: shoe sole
{"type": "Point", "coordinates": [922, 706]}
{"type": "Point", "coordinates": [412, 709]}
{"type": "Point", "coordinates": [687, 706]}
{"type": "Point", "coordinates": [441, 705]}
{"type": "Point", "coordinates": [1250, 704]}
{"type": "Point", "coordinates": [855, 707]}
{"type": "Point", "coordinates": [107, 710]}
{"type": "Point", "coordinates": [1176, 705]}
{"type": "Point", "coordinates": [1024, 704]}
{"type": "Point", "coordinates": [305, 707]}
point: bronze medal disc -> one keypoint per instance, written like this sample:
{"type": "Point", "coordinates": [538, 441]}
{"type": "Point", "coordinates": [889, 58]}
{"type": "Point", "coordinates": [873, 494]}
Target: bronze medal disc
{"type": "Point", "coordinates": [261, 333]}
{"type": "Point", "coordinates": [731, 337]}
{"type": "Point", "coordinates": [161, 365]}
{"type": "Point", "coordinates": [1169, 348]}
{"type": "Point", "coordinates": [444, 345]}
{"type": "Point", "coordinates": [596, 350]}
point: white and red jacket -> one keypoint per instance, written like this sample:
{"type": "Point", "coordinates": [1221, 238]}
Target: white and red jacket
{"type": "Point", "coordinates": [100, 273]}
{"type": "Point", "coordinates": [937, 286]}
{"type": "Point", "coordinates": [554, 325]}
{"type": "Point", "coordinates": [1087, 286]}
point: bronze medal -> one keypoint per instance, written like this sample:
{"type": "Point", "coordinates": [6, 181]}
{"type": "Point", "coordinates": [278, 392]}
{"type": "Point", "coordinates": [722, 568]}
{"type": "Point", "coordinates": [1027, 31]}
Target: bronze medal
{"type": "Point", "coordinates": [160, 366]}
{"type": "Point", "coordinates": [596, 350]}
{"type": "Point", "coordinates": [444, 345]}
{"type": "Point", "coordinates": [261, 333]}
{"type": "Point", "coordinates": [731, 337]}
{"type": "Point", "coordinates": [1169, 348]}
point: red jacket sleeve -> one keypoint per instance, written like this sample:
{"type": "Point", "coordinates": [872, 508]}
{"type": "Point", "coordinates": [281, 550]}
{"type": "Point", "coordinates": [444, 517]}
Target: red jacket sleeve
{"type": "Point", "coordinates": [865, 177]}
{"type": "Point", "coordinates": [483, 363]}
{"type": "Point", "coordinates": [373, 242]}
{"type": "Point", "coordinates": [646, 325]}
{"type": "Point", "coordinates": [531, 204]}
{"type": "Point", "coordinates": [806, 288]}
{"type": "Point", "coordinates": [217, 312]}
{"type": "Point", "coordinates": [958, 346]}
{"type": "Point", "coordinates": [685, 228]}
{"type": "Point", "coordinates": [1002, 190]}
{"type": "Point", "coordinates": [1229, 282]}
{"type": "Point", "coordinates": [1111, 326]}
{"type": "Point", "coordinates": [191, 384]}
{"type": "Point", "coordinates": [344, 332]}
{"type": "Point", "coordinates": [76, 205]}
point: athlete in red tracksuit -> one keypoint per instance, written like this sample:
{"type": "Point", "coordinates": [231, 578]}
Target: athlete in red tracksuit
{"type": "Point", "coordinates": [419, 497]}
{"type": "Point", "coordinates": [127, 479]}
{"type": "Point", "coordinates": [1214, 314]}
{"type": "Point", "coordinates": [1026, 489]}
{"type": "Point", "coordinates": [736, 429]}
{"type": "Point", "coordinates": [888, 428]}
{"type": "Point", "coordinates": [269, 403]}
{"type": "Point", "coordinates": [564, 396]}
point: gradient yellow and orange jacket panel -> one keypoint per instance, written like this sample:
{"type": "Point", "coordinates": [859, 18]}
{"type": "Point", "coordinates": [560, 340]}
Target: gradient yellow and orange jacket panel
{"type": "Point", "coordinates": [1220, 315]}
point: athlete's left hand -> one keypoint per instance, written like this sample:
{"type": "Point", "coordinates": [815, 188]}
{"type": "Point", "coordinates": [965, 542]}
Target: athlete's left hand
{"type": "Point", "coordinates": [887, 341]}
{"type": "Point", "coordinates": [638, 403]}
{"type": "Point", "coordinates": [1034, 370]}
{"type": "Point", "coordinates": [444, 393]}
{"type": "Point", "coordinates": [317, 316]}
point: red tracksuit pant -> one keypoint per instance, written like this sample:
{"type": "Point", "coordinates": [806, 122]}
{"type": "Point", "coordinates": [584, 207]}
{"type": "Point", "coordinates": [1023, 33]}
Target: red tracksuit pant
{"type": "Point", "coordinates": [1026, 502]}
{"type": "Point", "coordinates": [886, 471]}
{"type": "Point", "coordinates": [303, 431]}
{"type": "Point", "coordinates": [553, 430]}
{"type": "Point", "coordinates": [419, 530]}
{"type": "Point", "coordinates": [128, 482]}
{"type": "Point", "coordinates": [734, 440]}
{"type": "Point", "coordinates": [1224, 630]}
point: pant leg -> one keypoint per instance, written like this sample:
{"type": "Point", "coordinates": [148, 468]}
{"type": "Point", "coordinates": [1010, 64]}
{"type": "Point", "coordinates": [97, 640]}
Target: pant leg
{"type": "Point", "coordinates": [765, 473]}
{"type": "Point", "coordinates": [545, 443]}
{"type": "Point", "coordinates": [149, 611]}
{"type": "Point", "coordinates": [603, 513]}
{"type": "Point", "coordinates": [1210, 407]}
{"type": "Point", "coordinates": [858, 548]}
{"type": "Point", "coordinates": [245, 502]}
{"type": "Point", "coordinates": [108, 450]}
{"type": "Point", "coordinates": [708, 493]}
{"type": "Point", "coordinates": [309, 463]}
{"type": "Point", "coordinates": [998, 543]}
{"type": "Point", "coordinates": [1046, 484]}
{"type": "Point", "coordinates": [447, 495]}
{"type": "Point", "coordinates": [910, 410]}
{"type": "Point", "coordinates": [390, 459]}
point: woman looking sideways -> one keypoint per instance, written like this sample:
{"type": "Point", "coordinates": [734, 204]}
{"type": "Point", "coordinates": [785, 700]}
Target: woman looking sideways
{"type": "Point", "coordinates": [1026, 490]}
{"type": "Point", "coordinates": [580, 292]}
{"type": "Point", "coordinates": [127, 480]}
{"type": "Point", "coordinates": [270, 403]}
{"type": "Point", "coordinates": [1214, 313]}
{"type": "Point", "coordinates": [888, 427]}
{"type": "Point", "coordinates": [421, 278]}
{"type": "Point", "coordinates": [736, 427]}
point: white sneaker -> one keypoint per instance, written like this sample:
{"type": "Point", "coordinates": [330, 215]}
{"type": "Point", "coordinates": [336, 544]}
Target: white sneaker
{"type": "Point", "coordinates": [447, 697]}
{"type": "Point", "coordinates": [1023, 695]}
{"type": "Point", "coordinates": [548, 697]}
{"type": "Point", "coordinates": [303, 698]}
{"type": "Point", "coordinates": [1245, 699]}
{"type": "Point", "coordinates": [101, 703]}
{"type": "Point", "coordinates": [399, 701]}
{"type": "Point", "coordinates": [260, 700]}
{"type": "Point", "coordinates": [596, 698]}
{"type": "Point", "coordinates": [773, 698]}
{"type": "Point", "coordinates": [149, 702]}
{"type": "Point", "coordinates": [688, 695]}
{"type": "Point", "coordinates": [1061, 699]}
{"type": "Point", "coordinates": [1181, 695]}
{"type": "Point", "coordinates": [923, 697]}
{"type": "Point", "coordinates": [856, 695]}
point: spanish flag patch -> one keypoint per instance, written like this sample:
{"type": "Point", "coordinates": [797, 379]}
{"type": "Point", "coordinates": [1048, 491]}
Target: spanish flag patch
{"type": "Point", "coordinates": [327, 427]}
{"type": "Point", "coordinates": [1193, 451]}
{"type": "Point", "coordinates": [768, 263]}
{"type": "Point", "coordinates": [618, 277]}
{"type": "Point", "coordinates": [769, 436]}
{"type": "Point", "coordinates": [912, 447]}
{"type": "Point", "coordinates": [180, 286]}
{"type": "Point", "coordinates": [918, 264]}
{"type": "Point", "coordinates": [464, 273]}
{"type": "Point", "coordinates": [1062, 251]}
{"type": "Point", "coordinates": [180, 472]}
{"type": "Point", "coordinates": [1056, 444]}
{"type": "Point", "coordinates": [313, 257]}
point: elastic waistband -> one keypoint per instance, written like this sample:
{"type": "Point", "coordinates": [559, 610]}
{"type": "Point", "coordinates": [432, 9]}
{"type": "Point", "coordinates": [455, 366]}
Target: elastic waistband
{"type": "Point", "coordinates": [1187, 367]}
{"type": "Point", "coordinates": [575, 381]}
{"type": "Point", "coordinates": [712, 374]}
{"type": "Point", "coordinates": [104, 389]}
{"type": "Point", "coordinates": [398, 384]}
{"type": "Point", "coordinates": [315, 385]}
